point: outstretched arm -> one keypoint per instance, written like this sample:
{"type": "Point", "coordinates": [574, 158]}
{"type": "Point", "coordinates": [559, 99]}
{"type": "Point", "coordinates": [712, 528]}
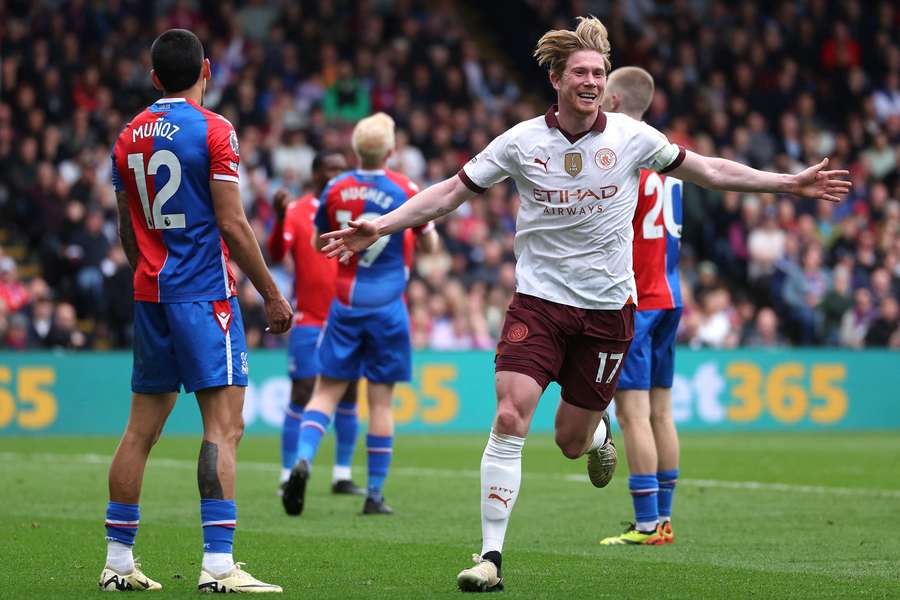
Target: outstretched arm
{"type": "Point", "coordinates": [429, 204]}
{"type": "Point", "coordinates": [724, 174]}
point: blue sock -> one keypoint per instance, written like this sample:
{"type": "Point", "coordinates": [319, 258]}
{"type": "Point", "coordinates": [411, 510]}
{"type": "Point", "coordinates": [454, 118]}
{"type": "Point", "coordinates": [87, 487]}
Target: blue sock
{"type": "Point", "coordinates": [219, 518]}
{"type": "Point", "coordinates": [667, 480]}
{"type": "Point", "coordinates": [122, 522]}
{"type": "Point", "coordinates": [380, 448]}
{"type": "Point", "coordinates": [311, 431]}
{"type": "Point", "coordinates": [643, 490]}
{"type": "Point", "coordinates": [290, 434]}
{"type": "Point", "coordinates": [346, 426]}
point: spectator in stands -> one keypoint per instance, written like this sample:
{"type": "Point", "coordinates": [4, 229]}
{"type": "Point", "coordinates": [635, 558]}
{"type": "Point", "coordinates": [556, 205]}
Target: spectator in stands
{"type": "Point", "coordinates": [41, 323]}
{"type": "Point", "coordinates": [836, 302]}
{"type": "Point", "coordinates": [856, 321]}
{"type": "Point", "coordinates": [13, 295]}
{"type": "Point", "coordinates": [65, 332]}
{"type": "Point", "coordinates": [883, 331]}
{"type": "Point", "coordinates": [716, 329]}
{"type": "Point", "coordinates": [764, 333]}
{"type": "Point", "coordinates": [804, 289]}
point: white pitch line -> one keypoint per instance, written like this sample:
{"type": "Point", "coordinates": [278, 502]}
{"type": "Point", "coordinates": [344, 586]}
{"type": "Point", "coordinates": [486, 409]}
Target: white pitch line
{"type": "Point", "coordinates": [172, 463]}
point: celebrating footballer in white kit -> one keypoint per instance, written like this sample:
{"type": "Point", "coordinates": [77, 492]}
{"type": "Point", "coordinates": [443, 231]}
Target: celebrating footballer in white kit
{"type": "Point", "coordinates": [572, 318]}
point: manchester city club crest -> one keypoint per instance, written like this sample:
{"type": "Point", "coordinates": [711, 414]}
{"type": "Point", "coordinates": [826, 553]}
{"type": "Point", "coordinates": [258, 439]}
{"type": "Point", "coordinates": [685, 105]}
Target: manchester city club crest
{"type": "Point", "coordinates": [572, 163]}
{"type": "Point", "coordinates": [605, 158]}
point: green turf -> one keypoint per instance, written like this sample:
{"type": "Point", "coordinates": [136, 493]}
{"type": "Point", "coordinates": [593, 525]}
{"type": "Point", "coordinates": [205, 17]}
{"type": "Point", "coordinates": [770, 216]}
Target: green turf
{"type": "Point", "coordinates": [830, 531]}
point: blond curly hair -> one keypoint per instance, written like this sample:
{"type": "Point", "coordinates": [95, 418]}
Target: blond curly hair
{"type": "Point", "coordinates": [555, 46]}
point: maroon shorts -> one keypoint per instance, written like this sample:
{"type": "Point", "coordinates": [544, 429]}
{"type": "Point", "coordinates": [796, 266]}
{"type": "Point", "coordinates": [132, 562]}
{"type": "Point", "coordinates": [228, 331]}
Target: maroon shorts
{"type": "Point", "coordinates": [581, 349]}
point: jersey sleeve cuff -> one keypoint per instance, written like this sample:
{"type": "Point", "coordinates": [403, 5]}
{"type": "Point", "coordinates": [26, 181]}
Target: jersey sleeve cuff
{"type": "Point", "coordinates": [469, 183]}
{"type": "Point", "coordinates": [224, 177]}
{"type": "Point", "coordinates": [677, 162]}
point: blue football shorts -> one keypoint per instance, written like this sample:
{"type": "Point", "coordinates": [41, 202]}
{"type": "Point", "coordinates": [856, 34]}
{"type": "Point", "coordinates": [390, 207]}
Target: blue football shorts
{"type": "Point", "coordinates": [303, 356]}
{"type": "Point", "coordinates": [367, 342]}
{"type": "Point", "coordinates": [192, 344]}
{"type": "Point", "coordinates": [650, 361]}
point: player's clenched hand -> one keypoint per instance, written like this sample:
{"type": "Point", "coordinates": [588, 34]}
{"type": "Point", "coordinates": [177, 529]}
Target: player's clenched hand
{"type": "Point", "coordinates": [278, 314]}
{"type": "Point", "coordinates": [279, 204]}
{"type": "Point", "coordinates": [817, 183]}
{"type": "Point", "coordinates": [358, 236]}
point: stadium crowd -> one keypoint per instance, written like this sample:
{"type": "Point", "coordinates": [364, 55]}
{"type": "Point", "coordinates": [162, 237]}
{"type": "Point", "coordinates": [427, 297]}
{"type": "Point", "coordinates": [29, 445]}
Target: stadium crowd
{"type": "Point", "coordinates": [775, 84]}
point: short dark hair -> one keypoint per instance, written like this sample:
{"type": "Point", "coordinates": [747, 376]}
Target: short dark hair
{"type": "Point", "coordinates": [321, 156]}
{"type": "Point", "coordinates": [177, 57]}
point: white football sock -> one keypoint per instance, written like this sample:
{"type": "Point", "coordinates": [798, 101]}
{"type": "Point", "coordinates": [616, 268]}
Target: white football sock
{"type": "Point", "coordinates": [119, 557]}
{"type": "Point", "coordinates": [217, 563]}
{"type": "Point", "coordinates": [339, 473]}
{"type": "Point", "coordinates": [599, 436]}
{"type": "Point", "coordinates": [285, 475]}
{"type": "Point", "coordinates": [501, 474]}
{"type": "Point", "coordinates": [646, 526]}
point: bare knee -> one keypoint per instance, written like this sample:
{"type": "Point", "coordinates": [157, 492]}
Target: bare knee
{"type": "Point", "coordinates": [571, 446]}
{"type": "Point", "coordinates": [510, 420]}
{"type": "Point", "coordinates": [227, 433]}
{"type": "Point", "coordinates": [141, 438]}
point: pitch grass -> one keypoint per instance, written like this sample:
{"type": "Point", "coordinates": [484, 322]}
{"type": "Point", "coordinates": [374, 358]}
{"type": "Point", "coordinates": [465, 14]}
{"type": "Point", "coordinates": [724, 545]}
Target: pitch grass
{"type": "Point", "coordinates": [830, 531]}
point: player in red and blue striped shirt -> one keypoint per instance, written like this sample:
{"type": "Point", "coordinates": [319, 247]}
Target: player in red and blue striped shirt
{"type": "Point", "coordinates": [175, 171]}
{"type": "Point", "coordinates": [367, 332]}
{"type": "Point", "coordinates": [314, 282]}
{"type": "Point", "coordinates": [644, 395]}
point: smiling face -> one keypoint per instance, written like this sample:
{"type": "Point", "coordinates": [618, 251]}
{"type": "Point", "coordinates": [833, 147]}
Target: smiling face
{"type": "Point", "coordinates": [582, 82]}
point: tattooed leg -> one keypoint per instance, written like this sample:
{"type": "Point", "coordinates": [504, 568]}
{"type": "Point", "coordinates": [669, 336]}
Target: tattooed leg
{"type": "Point", "coordinates": [223, 427]}
{"type": "Point", "coordinates": [208, 471]}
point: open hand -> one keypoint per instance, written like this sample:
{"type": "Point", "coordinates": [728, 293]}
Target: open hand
{"type": "Point", "coordinates": [343, 243]}
{"type": "Point", "coordinates": [817, 183]}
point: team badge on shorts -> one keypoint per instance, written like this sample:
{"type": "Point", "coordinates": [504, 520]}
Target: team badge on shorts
{"type": "Point", "coordinates": [605, 158]}
{"type": "Point", "coordinates": [572, 163]}
{"type": "Point", "coordinates": [517, 332]}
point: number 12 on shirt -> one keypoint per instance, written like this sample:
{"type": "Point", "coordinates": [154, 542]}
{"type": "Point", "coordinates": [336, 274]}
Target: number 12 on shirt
{"type": "Point", "coordinates": [161, 158]}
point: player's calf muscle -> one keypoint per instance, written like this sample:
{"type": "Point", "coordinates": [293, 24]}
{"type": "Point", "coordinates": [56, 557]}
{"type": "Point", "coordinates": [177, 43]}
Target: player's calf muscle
{"type": "Point", "coordinates": [208, 473]}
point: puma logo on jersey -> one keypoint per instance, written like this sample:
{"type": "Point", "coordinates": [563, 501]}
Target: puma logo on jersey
{"type": "Point", "coordinates": [543, 163]}
{"type": "Point", "coordinates": [505, 501]}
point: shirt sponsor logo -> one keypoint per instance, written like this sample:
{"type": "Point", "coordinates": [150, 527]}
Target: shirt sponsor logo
{"type": "Point", "coordinates": [605, 158]}
{"type": "Point", "coordinates": [577, 195]}
{"type": "Point", "coordinates": [572, 163]}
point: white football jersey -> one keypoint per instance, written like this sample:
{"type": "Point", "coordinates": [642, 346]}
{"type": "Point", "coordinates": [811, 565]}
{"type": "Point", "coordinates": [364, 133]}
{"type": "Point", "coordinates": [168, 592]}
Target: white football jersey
{"type": "Point", "coordinates": [577, 199]}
